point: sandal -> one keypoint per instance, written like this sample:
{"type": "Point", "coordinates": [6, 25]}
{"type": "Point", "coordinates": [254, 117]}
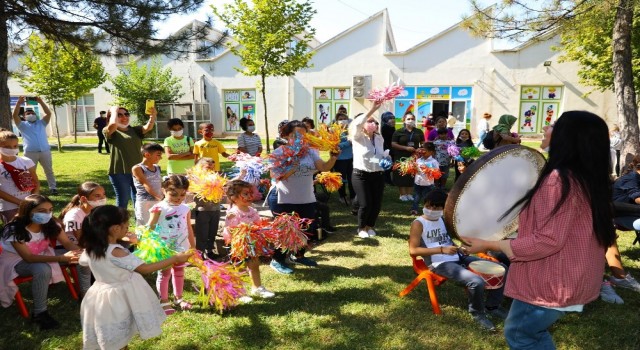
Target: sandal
{"type": "Point", "coordinates": [183, 304]}
{"type": "Point", "coordinates": [168, 309]}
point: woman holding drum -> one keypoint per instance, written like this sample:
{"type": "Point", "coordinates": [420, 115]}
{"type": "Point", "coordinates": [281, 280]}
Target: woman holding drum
{"type": "Point", "coordinates": [565, 226]}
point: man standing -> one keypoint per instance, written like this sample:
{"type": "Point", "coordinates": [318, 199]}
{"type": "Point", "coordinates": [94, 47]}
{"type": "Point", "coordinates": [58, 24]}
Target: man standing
{"type": "Point", "coordinates": [34, 138]}
{"type": "Point", "coordinates": [99, 124]}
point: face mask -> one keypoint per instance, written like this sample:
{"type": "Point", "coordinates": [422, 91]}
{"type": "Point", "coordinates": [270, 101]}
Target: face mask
{"type": "Point", "coordinates": [177, 133]}
{"type": "Point", "coordinates": [41, 218]}
{"type": "Point", "coordinates": [251, 128]}
{"type": "Point", "coordinates": [9, 152]}
{"type": "Point", "coordinates": [97, 203]}
{"type": "Point", "coordinates": [370, 127]}
{"type": "Point", "coordinates": [31, 118]}
{"type": "Point", "coordinates": [343, 122]}
{"type": "Point", "coordinates": [122, 126]}
{"type": "Point", "coordinates": [410, 123]}
{"type": "Point", "coordinates": [432, 215]}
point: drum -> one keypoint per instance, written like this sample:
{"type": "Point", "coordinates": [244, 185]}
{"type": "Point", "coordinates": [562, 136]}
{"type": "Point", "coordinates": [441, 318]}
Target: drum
{"type": "Point", "coordinates": [492, 273]}
{"type": "Point", "coordinates": [488, 188]}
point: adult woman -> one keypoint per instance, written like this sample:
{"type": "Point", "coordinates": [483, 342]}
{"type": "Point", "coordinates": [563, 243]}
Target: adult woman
{"type": "Point", "coordinates": [126, 142]}
{"type": "Point", "coordinates": [404, 142]}
{"type": "Point", "coordinates": [565, 226]}
{"type": "Point", "coordinates": [441, 122]}
{"type": "Point", "coordinates": [294, 188]}
{"type": "Point", "coordinates": [387, 129]}
{"type": "Point", "coordinates": [368, 177]}
{"type": "Point", "coordinates": [248, 141]}
{"type": "Point", "coordinates": [344, 163]}
{"type": "Point", "coordinates": [502, 132]}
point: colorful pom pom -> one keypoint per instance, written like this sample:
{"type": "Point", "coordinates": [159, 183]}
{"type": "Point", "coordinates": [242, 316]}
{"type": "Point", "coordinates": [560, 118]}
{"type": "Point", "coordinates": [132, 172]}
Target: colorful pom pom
{"type": "Point", "coordinates": [289, 230]}
{"type": "Point", "coordinates": [453, 150]}
{"type": "Point", "coordinates": [328, 138]}
{"type": "Point", "coordinates": [431, 173]}
{"type": "Point", "coordinates": [250, 167]}
{"type": "Point", "coordinates": [388, 93]}
{"type": "Point", "coordinates": [470, 152]}
{"type": "Point", "coordinates": [332, 181]}
{"type": "Point", "coordinates": [249, 240]}
{"type": "Point", "coordinates": [406, 166]}
{"type": "Point", "coordinates": [207, 185]}
{"type": "Point", "coordinates": [151, 247]}
{"type": "Point", "coordinates": [222, 284]}
{"type": "Point", "coordinates": [282, 162]}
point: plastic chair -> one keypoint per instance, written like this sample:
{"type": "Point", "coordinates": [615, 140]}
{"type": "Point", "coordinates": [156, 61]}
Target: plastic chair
{"type": "Point", "coordinates": [433, 280]}
{"type": "Point", "coordinates": [19, 301]}
{"type": "Point", "coordinates": [625, 223]}
{"type": "Point", "coordinates": [74, 286]}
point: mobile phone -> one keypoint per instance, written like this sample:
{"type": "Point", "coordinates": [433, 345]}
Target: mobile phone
{"type": "Point", "coordinates": [149, 105]}
{"type": "Point", "coordinates": [31, 100]}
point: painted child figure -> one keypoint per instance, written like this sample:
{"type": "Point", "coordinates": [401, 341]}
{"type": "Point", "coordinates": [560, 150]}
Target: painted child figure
{"type": "Point", "coordinates": [240, 194]}
{"type": "Point", "coordinates": [147, 179]}
{"type": "Point", "coordinates": [172, 219]}
{"type": "Point", "coordinates": [429, 239]}
{"type": "Point", "coordinates": [423, 183]}
{"type": "Point", "coordinates": [120, 304]}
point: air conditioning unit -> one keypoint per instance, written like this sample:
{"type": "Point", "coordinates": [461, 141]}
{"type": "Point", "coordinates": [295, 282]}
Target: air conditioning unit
{"type": "Point", "coordinates": [361, 86]}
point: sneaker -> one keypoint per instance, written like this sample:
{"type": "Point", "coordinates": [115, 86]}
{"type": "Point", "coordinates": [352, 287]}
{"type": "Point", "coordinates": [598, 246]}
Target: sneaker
{"type": "Point", "coordinates": [262, 292]}
{"type": "Point", "coordinates": [498, 313]}
{"type": "Point", "coordinates": [280, 267]}
{"type": "Point", "coordinates": [304, 261]}
{"type": "Point", "coordinates": [371, 232]}
{"type": "Point", "coordinates": [45, 321]}
{"type": "Point", "coordinates": [627, 282]}
{"type": "Point", "coordinates": [363, 234]}
{"type": "Point", "coordinates": [484, 322]}
{"type": "Point", "coordinates": [608, 294]}
{"type": "Point", "coordinates": [53, 192]}
{"type": "Point", "coordinates": [409, 198]}
{"type": "Point", "coordinates": [245, 299]}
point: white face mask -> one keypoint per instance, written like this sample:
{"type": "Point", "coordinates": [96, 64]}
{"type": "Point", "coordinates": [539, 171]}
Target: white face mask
{"type": "Point", "coordinates": [97, 203]}
{"type": "Point", "coordinates": [251, 128]}
{"type": "Point", "coordinates": [9, 152]}
{"type": "Point", "coordinates": [343, 122]}
{"type": "Point", "coordinates": [177, 133]}
{"type": "Point", "coordinates": [432, 215]}
{"type": "Point", "coordinates": [410, 123]}
{"type": "Point", "coordinates": [122, 126]}
{"type": "Point", "coordinates": [31, 117]}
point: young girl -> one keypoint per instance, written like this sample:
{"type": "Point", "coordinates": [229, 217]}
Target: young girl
{"type": "Point", "coordinates": [207, 216]}
{"type": "Point", "coordinates": [90, 195]}
{"type": "Point", "coordinates": [120, 303]}
{"type": "Point", "coordinates": [240, 194]}
{"type": "Point", "coordinates": [26, 252]}
{"type": "Point", "coordinates": [173, 220]}
{"type": "Point", "coordinates": [464, 139]}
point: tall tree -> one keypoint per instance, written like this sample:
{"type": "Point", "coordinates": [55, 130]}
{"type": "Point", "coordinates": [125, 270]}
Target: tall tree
{"type": "Point", "coordinates": [102, 27]}
{"type": "Point", "coordinates": [524, 20]}
{"type": "Point", "coordinates": [137, 83]}
{"type": "Point", "coordinates": [271, 38]}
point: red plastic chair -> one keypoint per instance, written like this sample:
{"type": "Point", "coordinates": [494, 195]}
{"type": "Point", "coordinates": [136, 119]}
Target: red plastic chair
{"type": "Point", "coordinates": [19, 301]}
{"type": "Point", "coordinates": [433, 280]}
{"type": "Point", "coordinates": [74, 286]}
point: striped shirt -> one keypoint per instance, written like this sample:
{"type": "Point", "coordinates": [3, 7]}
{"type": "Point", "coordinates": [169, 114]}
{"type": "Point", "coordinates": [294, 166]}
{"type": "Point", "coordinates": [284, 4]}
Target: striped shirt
{"type": "Point", "coordinates": [251, 143]}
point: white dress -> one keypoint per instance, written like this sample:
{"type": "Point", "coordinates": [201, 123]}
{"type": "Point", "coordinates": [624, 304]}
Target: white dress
{"type": "Point", "coordinates": [119, 304]}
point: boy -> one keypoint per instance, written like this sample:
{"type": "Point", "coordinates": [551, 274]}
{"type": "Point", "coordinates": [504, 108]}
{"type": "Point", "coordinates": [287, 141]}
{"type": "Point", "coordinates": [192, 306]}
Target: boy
{"type": "Point", "coordinates": [18, 177]}
{"type": "Point", "coordinates": [207, 215]}
{"type": "Point", "coordinates": [179, 149]}
{"type": "Point", "coordinates": [442, 143]}
{"type": "Point", "coordinates": [147, 179]}
{"type": "Point", "coordinates": [429, 239]}
{"type": "Point", "coordinates": [208, 146]}
{"type": "Point", "coordinates": [423, 183]}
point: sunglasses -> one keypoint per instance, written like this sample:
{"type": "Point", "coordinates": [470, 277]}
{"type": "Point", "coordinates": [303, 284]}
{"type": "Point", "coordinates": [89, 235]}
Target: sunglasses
{"type": "Point", "coordinates": [126, 114]}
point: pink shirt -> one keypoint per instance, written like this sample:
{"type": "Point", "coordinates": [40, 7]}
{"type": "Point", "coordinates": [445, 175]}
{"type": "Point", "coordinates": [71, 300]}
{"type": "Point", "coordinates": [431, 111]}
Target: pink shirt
{"type": "Point", "coordinates": [557, 260]}
{"type": "Point", "coordinates": [235, 217]}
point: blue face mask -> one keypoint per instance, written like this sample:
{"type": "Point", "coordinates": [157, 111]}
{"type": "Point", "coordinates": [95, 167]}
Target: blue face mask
{"type": "Point", "coordinates": [41, 218]}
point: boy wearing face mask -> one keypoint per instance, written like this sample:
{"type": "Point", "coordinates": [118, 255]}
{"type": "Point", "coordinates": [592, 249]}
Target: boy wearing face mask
{"type": "Point", "coordinates": [209, 147]}
{"type": "Point", "coordinates": [429, 239]}
{"type": "Point", "coordinates": [18, 177]}
{"type": "Point", "coordinates": [178, 148]}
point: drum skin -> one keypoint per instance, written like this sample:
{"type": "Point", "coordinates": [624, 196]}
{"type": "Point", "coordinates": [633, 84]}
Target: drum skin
{"type": "Point", "coordinates": [488, 188]}
{"type": "Point", "coordinates": [492, 273]}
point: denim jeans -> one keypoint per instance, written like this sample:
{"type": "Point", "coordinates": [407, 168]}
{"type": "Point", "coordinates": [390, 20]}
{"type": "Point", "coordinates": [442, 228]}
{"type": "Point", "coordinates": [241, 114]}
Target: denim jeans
{"type": "Point", "coordinates": [419, 192]}
{"type": "Point", "coordinates": [527, 326]}
{"type": "Point", "coordinates": [123, 188]}
{"type": "Point", "coordinates": [457, 272]}
{"type": "Point", "coordinates": [481, 135]}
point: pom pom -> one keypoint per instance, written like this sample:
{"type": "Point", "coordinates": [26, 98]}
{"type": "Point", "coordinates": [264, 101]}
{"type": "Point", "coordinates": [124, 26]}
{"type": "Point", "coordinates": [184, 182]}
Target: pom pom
{"type": "Point", "coordinates": [281, 163]}
{"type": "Point", "coordinates": [250, 167]}
{"type": "Point", "coordinates": [431, 173]}
{"type": "Point", "coordinates": [222, 284]}
{"type": "Point", "coordinates": [453, 150]}
{"type": "Point", "coordinates": [385, 163]}
{"type": "Point", "coordinates": [406, 166]}
{"type": "Point", "coordinates": [388, 93]}
{"type": "Point", "coordinates": [206, 185]}
{"type": "Point", "coordinates": [328, 138]}
{"type": "Point", "coordinates": [249, 240]}
{"type": "Point", "coordinates": [290, 230]}
{"type": "Point", "coordinates": [470, 152]}
{"type": "Point", "coordinates": [332, 181]}
{"type": "Point", "coordinates": [151, 247]}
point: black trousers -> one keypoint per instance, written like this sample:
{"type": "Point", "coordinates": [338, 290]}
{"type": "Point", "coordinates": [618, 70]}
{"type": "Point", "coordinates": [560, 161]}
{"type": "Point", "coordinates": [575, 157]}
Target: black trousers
{"type": "Point", "coordinates": [369, 187]}
{"type": "Point", "coordinates": [102, 139]}
{"type": "Point", "coordinates": [345, 167]}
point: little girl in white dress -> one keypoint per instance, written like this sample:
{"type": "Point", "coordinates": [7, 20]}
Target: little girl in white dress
{"type": "Point", "coordinates": [120, 303]}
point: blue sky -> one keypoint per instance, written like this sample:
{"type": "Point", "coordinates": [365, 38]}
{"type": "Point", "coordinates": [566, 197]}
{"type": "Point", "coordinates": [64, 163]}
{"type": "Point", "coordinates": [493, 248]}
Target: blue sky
{"type": "Point", "coordinates": [412, 21]}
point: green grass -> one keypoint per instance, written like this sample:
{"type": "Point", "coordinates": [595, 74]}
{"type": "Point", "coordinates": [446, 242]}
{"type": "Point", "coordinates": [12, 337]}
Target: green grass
{"type": "Point", "coordinates": [350, 302]}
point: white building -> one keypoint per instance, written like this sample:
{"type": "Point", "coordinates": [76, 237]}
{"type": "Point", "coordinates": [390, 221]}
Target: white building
{"type": "Point", "coordinates": [451, 71]}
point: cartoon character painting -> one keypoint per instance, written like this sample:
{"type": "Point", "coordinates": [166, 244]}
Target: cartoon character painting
{"type": "Point", "coordinates": [552, 92]}
{"type": "Point", "coordinates": [323, 114]}
{"type": "Point", "coordinates": [528, 116]}
{"type": "Point", "coordinates": [549, 117]}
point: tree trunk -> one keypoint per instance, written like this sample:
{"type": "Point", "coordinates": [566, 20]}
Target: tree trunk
{"type": "Point", "coordinates": [5, 97]}
{"type": "Point", "coordinates": [75, 122]}
{"type": "Point", "coordinates": [623, 80]}
{"type": "Point", "coordinates": [266, 120]}
{"type": "Point", "coordinates": [55, 116]}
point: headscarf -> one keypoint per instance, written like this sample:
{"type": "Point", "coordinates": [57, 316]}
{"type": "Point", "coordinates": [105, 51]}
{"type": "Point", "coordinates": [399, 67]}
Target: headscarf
{"type": "Point", "coordinates": [505, 123]}
{"type": "Point", "coordinates": [386, 116]}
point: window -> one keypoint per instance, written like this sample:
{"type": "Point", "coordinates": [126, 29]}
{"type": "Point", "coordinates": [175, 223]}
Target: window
{"type": "Point", "coordinates": [209, 51]}
{"type": "Point", "coordinates": [329, 101]}
{"type": "Point", "coordinates": [86, 113]}
{"type": "Point", "coordinates": [539, 106]}
{"type": "Point", "coordinates": [238, 104]}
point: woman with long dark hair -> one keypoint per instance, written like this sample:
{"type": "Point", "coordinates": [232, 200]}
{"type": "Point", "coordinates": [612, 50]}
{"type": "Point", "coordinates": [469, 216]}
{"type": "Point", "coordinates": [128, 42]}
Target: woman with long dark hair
{"type": "Point", "coordinates": [565, 227]}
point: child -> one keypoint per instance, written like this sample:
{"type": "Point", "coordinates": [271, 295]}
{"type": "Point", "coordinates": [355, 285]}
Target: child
{"type": "Point", "coordinates": [240, 194]}
{"type": "Point", "coordinates": [90, 195]}
{"type": "Point", "coordinates": [207, 216]}
{"type": "Point", "coordinates": [442, 143]}
{"type": "Point", "coordinates": [147, 179]}
{"type": "Point", "coordinates": [429, 239]}
{"type": "Point", "coordinates": [208, 146]}
{"type": "Point", "coordinates": [461, 166]}
{"type": "Point", "coordinates": [120, 304]}
{"type": "Point", "coordinates": [464, 139]}
{"type": "Point", "coordinates": [173, 220]}
{"type": "Point", "coordinates": [422, 183]}
{"type": "Point", "coordinates": [18, 177]}
{"type": "Point", "coordinates": [27, 252]}
{"type": "Point", "coordinates": [179, 148]}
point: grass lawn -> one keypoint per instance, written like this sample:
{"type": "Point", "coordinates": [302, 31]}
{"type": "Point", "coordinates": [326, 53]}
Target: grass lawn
{"type": "Point", "coordinates": [349, 302]}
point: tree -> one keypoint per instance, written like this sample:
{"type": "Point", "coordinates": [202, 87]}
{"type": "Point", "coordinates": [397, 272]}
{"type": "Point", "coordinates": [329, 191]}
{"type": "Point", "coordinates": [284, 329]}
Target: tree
{"type": "Point", "coordinates": [102, 27]}
{"type": "Point", "coordinates": [59, 72]}
{"type": "Point", "coordinates": [137, 83]}
{"type": "Point", "coordinates": [595, 48]}
{"type": "Point", "coordinates": [271, 39]}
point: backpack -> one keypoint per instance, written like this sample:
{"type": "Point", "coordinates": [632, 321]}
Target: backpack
{"type": "Point", "coordinates": [490, 141]}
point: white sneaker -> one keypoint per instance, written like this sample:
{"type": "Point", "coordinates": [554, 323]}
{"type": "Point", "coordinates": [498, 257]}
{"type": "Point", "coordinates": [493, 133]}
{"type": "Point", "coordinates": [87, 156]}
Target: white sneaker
{"type": "Point", "coordinates": [262, 292]}
{"type": "Point", "coordinates": [409, 198]}
{"type": "Point", "coordinates": [403, 198]}
{"type": "Point", "coordinates": [363, 234]}
{"type": "Point", "coordinates": [608, 294]}
{"type": "Point", "coordinates": [371, 232]}
{"type": "Point", "coordinates": [245, 299]}
{"type": "Point", "coordinates": [627, 282]}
